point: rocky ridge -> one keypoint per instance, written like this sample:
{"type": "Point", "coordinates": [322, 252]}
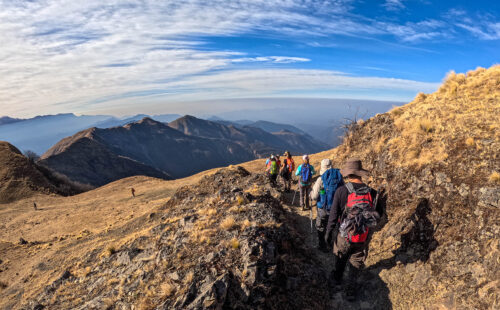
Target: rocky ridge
{"type": "Point", "coordinates": [223, 243]}
{"type": "Point", "coordinates": [437, 159]}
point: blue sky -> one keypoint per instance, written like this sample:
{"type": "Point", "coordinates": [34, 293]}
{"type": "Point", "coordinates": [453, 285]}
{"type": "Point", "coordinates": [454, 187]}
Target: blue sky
{"type": "Point", "coordinates": [145, 56]}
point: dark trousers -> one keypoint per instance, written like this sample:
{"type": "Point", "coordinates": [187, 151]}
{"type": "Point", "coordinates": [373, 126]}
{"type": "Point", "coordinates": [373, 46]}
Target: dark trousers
{"type": "Point", "coordinates": [350, 255]}
{"type": "Point", "coordinates": [321, 222]}
{"type": "Point", "coordinates": [304, 195]}
{"type": "Point", "coordinates": [272, 178]}
{"type": "Point", "coordinates": [287, 179]}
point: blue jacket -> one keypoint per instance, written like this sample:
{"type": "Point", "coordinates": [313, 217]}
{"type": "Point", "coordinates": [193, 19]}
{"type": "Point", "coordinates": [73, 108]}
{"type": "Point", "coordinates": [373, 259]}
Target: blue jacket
{"type": "Point", "coordinates": [299, 169]}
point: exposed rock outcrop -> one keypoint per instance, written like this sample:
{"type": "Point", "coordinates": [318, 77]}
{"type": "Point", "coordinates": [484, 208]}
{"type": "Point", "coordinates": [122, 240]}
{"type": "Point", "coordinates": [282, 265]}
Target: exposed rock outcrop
{"type": "Point", "coordinates": [224, 243]}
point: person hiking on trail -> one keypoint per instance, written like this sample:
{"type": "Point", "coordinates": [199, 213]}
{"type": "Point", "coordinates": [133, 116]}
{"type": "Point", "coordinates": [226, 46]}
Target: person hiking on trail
{"type": "Point", "coordinates": [132, 190]}
{"type": "Point", "coordinates": [286, 170]}
{"type": "Point", "coordinates": [272, 169]}
{"type": "Point", "coordinates": [305, 173]}
{"type": "Point", "coordinates": [35, 206]}
{"type": "Point", "coordinates": [354, 212]}
{"type": "Point", "coordinates": [323, 192]}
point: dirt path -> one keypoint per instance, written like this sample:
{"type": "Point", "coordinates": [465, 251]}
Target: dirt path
{"type": "Point", "coordinates": [373, 292]}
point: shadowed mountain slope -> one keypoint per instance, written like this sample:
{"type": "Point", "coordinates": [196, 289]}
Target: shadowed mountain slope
{"type": "Point", "coordinates": [260, 141]}
{"type": "Point", "coordinates": [99, 156]}
{"type": "Point", "coordinates": [19, 178]}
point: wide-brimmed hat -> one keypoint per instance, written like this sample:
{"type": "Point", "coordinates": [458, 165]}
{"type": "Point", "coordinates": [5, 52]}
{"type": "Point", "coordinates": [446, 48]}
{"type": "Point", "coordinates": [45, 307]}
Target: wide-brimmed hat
{"type": "Point", "coordinates": [353, 166]}
{"type": "Point", "coordinates": [325, 165]}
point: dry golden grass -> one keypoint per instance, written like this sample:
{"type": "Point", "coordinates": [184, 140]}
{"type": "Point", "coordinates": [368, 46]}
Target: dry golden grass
{"type": "Point", "coordinates": [460, 110]}
{"type": "Point", "coordinates": [240, 200]}
{"type": "Point", "coordinates": [494, 177]}
{"type": "Point", "coordinates": [204, 211]}
{"type": "Point", "coordinates": [246, 223]}
{"type": "Point", "coordinates": [470, 141]}
{"type": "Point", "coordinates": [167, 289]}
{"type": "Point", "coordinates": [188, 278]}
{"type": "Point", "coordinates": [111, 250]}
{"type": "Point", "coordinates": [228, 223]}
{"type": "Point", "coordinates": [234, 243]}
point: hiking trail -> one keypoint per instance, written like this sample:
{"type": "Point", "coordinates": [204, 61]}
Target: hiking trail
{"type": "Point", "coordinates": [373, 293]}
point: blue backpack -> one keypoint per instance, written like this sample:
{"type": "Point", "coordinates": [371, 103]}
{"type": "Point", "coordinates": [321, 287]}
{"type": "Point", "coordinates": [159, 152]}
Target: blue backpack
{"type": "Point", "coordinates": [305, 174]}
{"type": "Point", "coordinates": [332, 179]}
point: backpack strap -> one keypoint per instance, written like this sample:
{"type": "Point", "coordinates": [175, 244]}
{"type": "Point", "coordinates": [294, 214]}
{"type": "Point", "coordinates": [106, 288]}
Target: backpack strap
{"type": "Point", "coordinates": [350, 188]}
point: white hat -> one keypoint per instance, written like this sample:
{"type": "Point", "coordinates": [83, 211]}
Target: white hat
{"type": "Point", "coordinates": [325, 165]}
{"type": "Point", "coordinates": [305, 157]}
{"type": "Point", "coordinates": [272, 156]}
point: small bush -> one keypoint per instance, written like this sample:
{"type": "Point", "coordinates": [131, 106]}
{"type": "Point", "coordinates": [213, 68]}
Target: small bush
{"type": "Point", "coordinates": [235, 244]}
{"type": "Point", "coordinates": [426, 125]}
{"type": "Point", "coordinates": [3, 285]}
{"type": "Point", "coordinates": [111, 250]}
{"type": "Point", "coordinates": [228, 223]}
{"type": "Point", "coordinates": [167, 289]}
{"type": "Point", "coordinates": [189, 277]}
{"type": "Point", "coordinates": [240, 200]}
{"type": "Point", "coordinates": [32, 156]}
{"type": "Point", "coordinates": [420, 97]}
{"type": "Point", "coordinates": [470, 141]}
{"type": "Point", "coordinates": [495, 177]}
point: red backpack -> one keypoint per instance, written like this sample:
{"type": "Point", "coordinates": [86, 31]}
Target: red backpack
{"type": "Point", "coordinates": [359, 214]}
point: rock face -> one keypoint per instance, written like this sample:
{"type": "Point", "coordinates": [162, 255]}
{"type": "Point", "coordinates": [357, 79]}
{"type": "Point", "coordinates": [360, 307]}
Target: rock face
{"type": "Point", "coordinates": [222, 244]}
{"type": "Point", "coordinates": [184, 147]}
{"type": "Point", "coordinates": [19, 178]}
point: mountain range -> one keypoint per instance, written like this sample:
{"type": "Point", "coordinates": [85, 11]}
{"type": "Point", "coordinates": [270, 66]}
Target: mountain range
{"type": "Point", "coordinates": [39, 133]}
{"type": "Point", "coordinates": [178, 149]}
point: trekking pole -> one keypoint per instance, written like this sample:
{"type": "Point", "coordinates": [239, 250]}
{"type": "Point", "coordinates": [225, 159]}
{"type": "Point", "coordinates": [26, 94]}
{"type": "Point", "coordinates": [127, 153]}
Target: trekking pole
{"type": "Point", "coordinates": [294, 194]}
{"type": "Point", "coordinates": [311, 218]}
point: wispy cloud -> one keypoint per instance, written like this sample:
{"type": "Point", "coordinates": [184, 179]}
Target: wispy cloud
{"type": "Point", "coordinates": [274, 59]}
{"type": "Point", "coordinates": [62, 54]}
{"type": "Point", "coordinates": [394, 5]}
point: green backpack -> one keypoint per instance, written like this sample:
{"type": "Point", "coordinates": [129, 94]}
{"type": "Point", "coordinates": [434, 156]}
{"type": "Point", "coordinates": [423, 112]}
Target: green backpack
{"type": "Point", "coordinates": [274, 167]}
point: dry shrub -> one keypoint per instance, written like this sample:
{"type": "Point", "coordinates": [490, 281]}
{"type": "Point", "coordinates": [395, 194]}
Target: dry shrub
{"type": "Point", "coordinates": [420, 97]}
{"type": "Point", "coordinates": [111, 250]}
{"type": "Point", "coordinates": [426, 125]}
{"type": "Point", "coordinates": [494, 177]}
{"type": "Point", "coordinates": [3, 285]}
{"type": "Point", "coordinates": [470, 141]}
{"type": "Point", "coordinates": [246, 223]}
{"type": "Point", "coordinates": [240, 200]}
{"type": "Point", "coordinates": [167, 289]}
{"type": "Point", "coordinates": [228, 223]}
{"type": "Point", "coordinates": [188, 278]}
{"type": "Point", "coordinates": [235, 244]}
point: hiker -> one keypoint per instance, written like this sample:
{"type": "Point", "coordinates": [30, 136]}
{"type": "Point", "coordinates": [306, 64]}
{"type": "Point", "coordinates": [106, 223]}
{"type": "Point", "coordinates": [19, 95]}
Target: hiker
{"type": "Point", "coordinates": [354, 211]}
{"type": "Point", "coordinates": [34, 206]}
{"type": "Point", "coordinates": [133, 191]}
{"type": "Point", "coordinates": [305, 171]}
{"type": "Point", "coordinates": [286, 170]}
{"type": "Point", "coordinates": [272, 169]}
{"type": "Point", "coordinates": [323, 192]}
